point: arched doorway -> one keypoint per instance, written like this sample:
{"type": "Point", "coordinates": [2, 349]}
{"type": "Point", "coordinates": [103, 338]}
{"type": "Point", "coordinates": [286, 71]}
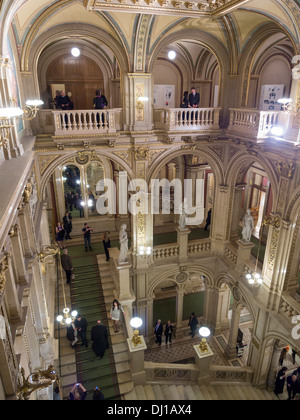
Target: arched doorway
{"type": "Point", "coordinates": [79, 77]}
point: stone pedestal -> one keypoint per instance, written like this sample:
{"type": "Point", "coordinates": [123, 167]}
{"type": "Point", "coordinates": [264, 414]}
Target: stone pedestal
{"type": "Point", "coordinates": [244, 251]}
{"type": "Point", "coordinates": [137, 354]}
{"type": "Point", "coordinates": [182, 240]}
{"type": "Point", "coordinates": [126, 296]}
{"type": "Point", "coordinates": [203, 361]}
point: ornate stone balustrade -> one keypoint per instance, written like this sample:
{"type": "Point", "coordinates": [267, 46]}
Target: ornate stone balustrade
{"type": "Point", "coordinates": [257, 124]}
{"type": "Point", "coordinates": [165, 251]}
{"type": "Point", "coordinates": [86, 121]}
{"type": "Point", "coordinates": [196, 247]}
{"type": "Point", "coordinates": [231, 374]}
{"type": "Point", "coordinates": [231, 255]}
{"type": "Point", "coordinates": [169, 373]}
{"type": "Point", "coordinates": [289, 307]}
{"type": "Point", "coordinates": [187, 119]}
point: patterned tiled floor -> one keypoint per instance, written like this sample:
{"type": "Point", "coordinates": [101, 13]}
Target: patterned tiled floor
{"type": "Point", "coordinates": [182, 351]}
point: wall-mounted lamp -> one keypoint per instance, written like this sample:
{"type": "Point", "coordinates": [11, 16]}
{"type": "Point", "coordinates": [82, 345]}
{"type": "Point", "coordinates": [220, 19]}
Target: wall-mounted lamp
{"type": "Point", "coordinates": [7, 114]}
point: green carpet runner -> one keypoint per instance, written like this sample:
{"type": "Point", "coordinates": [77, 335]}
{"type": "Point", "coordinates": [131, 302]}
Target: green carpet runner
{"type": "Point", "coordinates": [87, 298]}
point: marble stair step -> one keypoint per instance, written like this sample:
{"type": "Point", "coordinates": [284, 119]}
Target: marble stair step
{"type": "Point", "coordinates": [158, 392]}
{"type": "Point", "coordinates": [252, 393]}
{"type": "Point", "coordinates": [174, 393]}
{"type": "Point", "coordinates": [205, 393]}
{"type": "Point", "coordinates": [149, 393]}
{"type": "Point", "coordinates": [190, 393]}
{"type": "Point", "coordinates": [242, 391]}
{"type": "Point", "coordinates": [180, 390]}
{"type": "Point", "coordinates": [131, 396]}
{"type": "Point", "coordinates": [220, 392]}
{"type": "Point", "coordinates": [126, 387]}
{"type": "Point", "coordinates": [198, 393]}
{"type": "Point", "coordinates": [140, 392]}
{"type": "Point", "coordinates": [260, 394]}
{"type": "Point", "coordinates": [212, 391]}
{"type": "Point", "coordinates": [165, 391]}
{"type": "Point", "coordinates": [226, 391]}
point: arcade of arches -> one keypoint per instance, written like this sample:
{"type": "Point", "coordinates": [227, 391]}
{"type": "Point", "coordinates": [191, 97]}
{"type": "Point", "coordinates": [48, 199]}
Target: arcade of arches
{"type": "Point", "coordinates": [238, 151]}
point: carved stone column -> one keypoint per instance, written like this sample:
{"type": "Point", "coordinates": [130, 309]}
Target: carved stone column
{"type": "Point", "coordinates": [18, 255]}
{"type": "Point", "coordinates": [230, 350]}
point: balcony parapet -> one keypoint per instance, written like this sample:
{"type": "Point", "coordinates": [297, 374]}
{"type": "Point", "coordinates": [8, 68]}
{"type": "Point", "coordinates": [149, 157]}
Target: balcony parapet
{"type": "Point", "coordinates": [187, 119]}
{"type": "Point", "coordinates": [87, 122]}
{"type": "Point", "coordinates": [258, 124]}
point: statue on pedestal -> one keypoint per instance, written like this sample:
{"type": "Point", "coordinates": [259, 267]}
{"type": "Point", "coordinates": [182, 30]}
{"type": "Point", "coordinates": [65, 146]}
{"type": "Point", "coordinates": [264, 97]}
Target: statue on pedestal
{"type": "Point", "coordinates": [182, 218]}
{"type": "Point", "coordinates": [248, 223]}
{"type": "Point", "coordinates": [123, 238]}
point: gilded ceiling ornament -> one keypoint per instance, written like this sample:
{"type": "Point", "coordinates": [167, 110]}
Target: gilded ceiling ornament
{"type": "Point", "coordinates": [273, 221]}
{"type": "Point", "coordinates": [82, 158]}
{"type": "Point", "coordinates": [45, 161]}
{"type": "Point", "coordinates": [286, 169]}
{"type": "Point", "coordinates": [141, 153]}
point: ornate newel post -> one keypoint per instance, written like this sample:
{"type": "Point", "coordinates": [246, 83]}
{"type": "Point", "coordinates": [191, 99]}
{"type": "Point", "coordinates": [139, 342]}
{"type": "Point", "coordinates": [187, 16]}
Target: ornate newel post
{"type": "Point", "coordinates": [137, 355]}
{"type": "Point", "coordinates": [182, 240]}
{"type": "Point", "coordinates": [137, 347]}
{"type": "Point", "coordinates": [203, 362]}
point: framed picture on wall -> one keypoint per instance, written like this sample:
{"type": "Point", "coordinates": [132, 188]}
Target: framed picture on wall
{"type": "Point", "coordinates": [164, 96]}
{"type": "Point", "coordinates": [270, 94]}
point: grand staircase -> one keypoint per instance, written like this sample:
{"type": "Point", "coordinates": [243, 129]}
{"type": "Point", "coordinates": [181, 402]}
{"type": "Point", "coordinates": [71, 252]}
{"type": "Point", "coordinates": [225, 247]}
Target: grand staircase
{"type": "Point", "coordinates": [161, 392]}
{"type": "Point", "coordinates": [92, 295]}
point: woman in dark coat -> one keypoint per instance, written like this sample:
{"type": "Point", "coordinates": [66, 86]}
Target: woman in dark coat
{"type": "Point", "coordinates": [99, 337]}
{"type": "Point", "coordinates": [280, 381]}
{"type": "Point", "coordinates": [100, 102]}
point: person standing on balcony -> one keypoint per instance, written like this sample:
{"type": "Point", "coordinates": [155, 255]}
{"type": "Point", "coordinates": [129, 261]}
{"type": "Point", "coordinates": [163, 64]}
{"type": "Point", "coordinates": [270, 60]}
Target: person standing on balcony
{"type": "Point", "coordinates": [63, 102]}
{"type": "Point", "coordinates": [100, 102]}
{"type": "Point", "coordinates": [185, 100]}
{"type": "Point", "coordinates": [194, 100]}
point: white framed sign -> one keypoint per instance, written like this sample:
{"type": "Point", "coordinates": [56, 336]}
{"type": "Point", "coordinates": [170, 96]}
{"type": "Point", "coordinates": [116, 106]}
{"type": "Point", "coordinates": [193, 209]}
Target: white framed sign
{"type": "Point", "coordinates": [269, 97]}
{"type": "Point", "coordinates": [164, 96]}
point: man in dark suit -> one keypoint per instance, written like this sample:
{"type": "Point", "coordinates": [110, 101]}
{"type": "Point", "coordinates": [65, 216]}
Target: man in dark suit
{"type": "Point", "coordinates": [99, 337]}
{"type": "Point", "coordinates": [81, 325]}
{"type": "Point", "coordinates": [194, 98]}
{"type": "Point", "coordinates": [159, 331]}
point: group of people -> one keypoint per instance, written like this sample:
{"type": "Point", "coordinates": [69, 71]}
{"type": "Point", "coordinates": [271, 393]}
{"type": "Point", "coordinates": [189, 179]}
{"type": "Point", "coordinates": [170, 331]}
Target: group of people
{"type": "Point", "coordinates": [79, 393]}
{"type": "Point", "coordinates": [63, 101]}
{"type": "Point", "coordinates": [159, 330]}
{"type": "Point", "coordinates": [292, 382]}
{"type": "Point", "coordinates": [191, 100]}
{"type": "Point", "coordinates": [62, 231]}
{"type": "Point", "coordinates": [100, 343]}
{"type": "Point", "coordinates": [170, 329]}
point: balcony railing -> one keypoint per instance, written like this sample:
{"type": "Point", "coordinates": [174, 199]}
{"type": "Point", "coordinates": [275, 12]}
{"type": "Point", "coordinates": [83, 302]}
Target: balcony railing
{"type": "Point", "coordinates": [258, 124]}
{"type": "Point", "coordinates": [86, 121]}
{"type": "Point", "coordinates": [181, 119]}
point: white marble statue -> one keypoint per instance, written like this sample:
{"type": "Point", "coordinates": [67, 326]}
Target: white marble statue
{"type": "Point", "coordinates": [123, 238]}
{"type": "Point", "coordinates": [248, 226]}
{"type": "Point", "coordinates": [182, 218]}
